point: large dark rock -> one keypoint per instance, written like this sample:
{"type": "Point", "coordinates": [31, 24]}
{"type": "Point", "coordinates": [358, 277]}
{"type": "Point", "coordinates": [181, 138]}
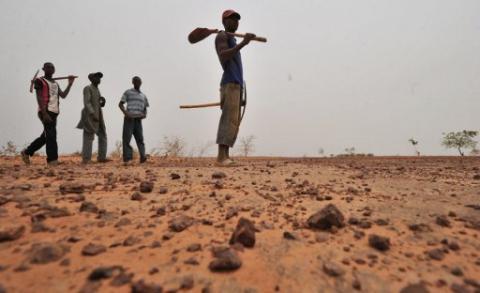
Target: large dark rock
{"type": "Point", "coordinates": [218, 175]}
{"type": "Point", "coordinates": [332, 269]}
{"type": "Point", "coordinates": [43, 253]}
{"type": "Point", "coordinates": [92, 249]}
{"type": "Point", "coordinates": [226, 259]}
{"type": "Point", "coordinates": [414, 288]}
{"type": "Point", "coordinates": [380, 243]}
{"type": "Point", "coordinates": [11, 233]}
{"type": "Point", "coordinates": [180, 223]}
{"type": "Point", "coordinates": [146, 186]}
{"type": "Point", "coordinates": [71, 187]}
{"type": "Point", "coordinates": [88, 207]}
{"type": "Point", "coordinates": [103, 272]}
{"type": "Point", "coordinates": [327, 218]}
{"type": "Point", "coordinates": [142, 287]}
{"type": "Point", "coordinates": [244, 233]}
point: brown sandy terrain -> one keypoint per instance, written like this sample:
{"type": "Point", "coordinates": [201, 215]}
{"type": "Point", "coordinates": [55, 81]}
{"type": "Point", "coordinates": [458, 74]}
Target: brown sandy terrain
{"type": "Point", "coordinates": [73, 228]}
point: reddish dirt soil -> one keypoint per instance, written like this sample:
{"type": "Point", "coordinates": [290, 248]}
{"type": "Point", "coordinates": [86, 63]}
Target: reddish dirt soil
{"type": "Point", "coordinates": [75, 228]}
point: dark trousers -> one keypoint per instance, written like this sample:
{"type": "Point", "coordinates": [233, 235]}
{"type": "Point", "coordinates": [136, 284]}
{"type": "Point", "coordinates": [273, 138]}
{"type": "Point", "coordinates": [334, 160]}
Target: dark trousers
{"type": "Point", "coordinates": [132, 126]}
{"type": "Point", "coordinates": [48, 138]}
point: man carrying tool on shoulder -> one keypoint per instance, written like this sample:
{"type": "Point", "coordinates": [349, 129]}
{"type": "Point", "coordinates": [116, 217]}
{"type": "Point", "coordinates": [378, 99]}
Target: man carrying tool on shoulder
{"type": "Point", "coordinates": [231, 85]}
{"type": "Point", "coordinates": [48, 93]}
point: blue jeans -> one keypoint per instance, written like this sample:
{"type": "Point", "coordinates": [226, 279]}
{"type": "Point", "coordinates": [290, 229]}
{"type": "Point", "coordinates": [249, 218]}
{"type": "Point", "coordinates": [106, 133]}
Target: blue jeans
{"type": "Point", "coordinates": [132, 126]}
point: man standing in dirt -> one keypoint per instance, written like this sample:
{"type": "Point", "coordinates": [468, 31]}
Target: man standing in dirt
{"type": "Point", "coordinates": [137, 104]}
{"type": "Point", "coordinates": [48, 92]}
{"type": "Point", "coordinates": [92, 121]}
{"type": "Point", "coordinates": [231, 85]}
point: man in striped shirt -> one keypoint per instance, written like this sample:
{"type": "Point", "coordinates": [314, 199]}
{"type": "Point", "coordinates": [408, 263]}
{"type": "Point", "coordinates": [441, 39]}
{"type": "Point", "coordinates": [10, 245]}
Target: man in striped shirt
{"type": "Point", "coordinates": [136, 110]}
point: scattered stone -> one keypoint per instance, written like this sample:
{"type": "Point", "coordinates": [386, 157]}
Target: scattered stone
{"type": "Point", "coordinates": [191, 261]}
{"type": "Point", "coordinates": [459, 288]}
{"type": "Point", "coordinates": [142, 287]}
{"type": "Point", "coordinates": [244, 233]}
{"type": "Point", "coordinates": [130, 241]}
{"type": "Point", "coordinates": [420, 227]}
{"type": "Point", "coordinates": [103, 272]}
{"type": "Point", "coordinates": [71, 187]}
{"type": "Point", "coordinates": [226, 259]}
{"type": "Point", "coordinates": [380, 243]}
{"type": "Point", "coordinates": [43, 253]}
{"type": "Point", "coordinates": [231, 212]}
{"type": "Point", "coordinates": [414, 288]}
{"type": "Point", "coordinates": [3, 200]}
{"type": "Point", "coordinates": [161, 211]}
{"type": "Point", "coordinates": [442, 221]}
{"type": "Point", "coordinates": [186, 283]}
{"type": "Point", "coordinates": [180, 223]}
{"type": "Point", "coordinates": [38, 227]}
{"type": "Point", "coordinates": [456, 271]}
{"type": "Point", "coordinates": [289, 235]}
{"type": "Point", "coordinates": [137, 196]}
{"type": "Point", "coordinates": [194, 247]}
{"type": "Point", "coordinates": [146, 186]}
{"type": "Point", "coordinates": [452, 245]}
{"type": "Point", "coordinates": [327, 218]}
{"type": "Point", "coordinates": [11, 233]}
{"type": "Point", "coordinates": [92, 249]}
{"type": "Point", "coordinates": [436, 254]}
{"type": "Point", "coordinates": [174, 176]}
{"type": "Point", "coordinates": [219, 175]}
{"type": "Point", "coordinates": [88, 207]}
{"type": "Point", "coordinates": [333, 269]}
{"type": "Point", "coordinates": [123, 222]}
{"type": "Point", "coordinates": [163, 190]}
{"type": "Point", "coordinates": [121, 279]}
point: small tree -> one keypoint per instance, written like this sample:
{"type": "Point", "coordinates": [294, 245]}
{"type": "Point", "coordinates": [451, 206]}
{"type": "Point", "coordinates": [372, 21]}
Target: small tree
{"type": "Point", "coordinates": [246, 146]}
{"type": "Point", "coordinates": [321, 151]}
{"type": "Point", "coordinates": [204, 148]}
{"type": "Point", "coordinates": [460, 140]}
{"type": "Point", "coordinates": [117, 151]}
{"type": "Point", "coordinates": [10, 149]}
{"type": "Point", "coordinates": [414, 144]}
{"type": "Point", "coordinates": [172, 146]}
{"type": "Point", "coordinates": [350, 151]}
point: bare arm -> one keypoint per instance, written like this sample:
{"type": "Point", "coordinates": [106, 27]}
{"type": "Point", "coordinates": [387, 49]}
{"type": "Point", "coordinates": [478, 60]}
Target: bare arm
{"type": "Point", "coordinates": [121, 105]}
{"type": "Point", "coordinates": [224, 52]}
{"type": "Point", "coordinates": [64, 94]}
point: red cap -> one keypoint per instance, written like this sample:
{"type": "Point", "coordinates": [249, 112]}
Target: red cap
{"type": "Point", "coordinates": [230, 12]}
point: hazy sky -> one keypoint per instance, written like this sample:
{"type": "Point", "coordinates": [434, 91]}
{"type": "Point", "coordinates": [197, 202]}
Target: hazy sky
{"type": "Point", "coordinates": [334, 74]}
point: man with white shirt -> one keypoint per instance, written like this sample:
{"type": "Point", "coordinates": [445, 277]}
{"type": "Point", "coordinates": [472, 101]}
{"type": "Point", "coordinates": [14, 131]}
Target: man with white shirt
{"type": "Point", "coordinates": [136, 110]}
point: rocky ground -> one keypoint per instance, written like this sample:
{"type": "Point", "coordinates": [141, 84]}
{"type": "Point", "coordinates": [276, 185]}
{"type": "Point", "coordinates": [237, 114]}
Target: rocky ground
{"type": "Point", "coordinates": [363, 224]}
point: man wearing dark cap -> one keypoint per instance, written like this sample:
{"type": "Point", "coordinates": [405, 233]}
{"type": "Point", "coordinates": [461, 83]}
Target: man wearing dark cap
{"type": "Point", "coordinates": [231, 85]}
{"type": "Point", "coordinates": [48, 92]}
{"type": "Point", "coordinates": [92, 121]}
{"type": "Point", "coordinates": [136, 110]}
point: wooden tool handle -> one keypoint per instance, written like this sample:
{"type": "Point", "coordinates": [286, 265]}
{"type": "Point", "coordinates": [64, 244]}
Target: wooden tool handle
{"type": "Point", "coordinates": [199, 106]}
{"type": "Point", "coordinates": [258, 39]}
{"type": "Point", "coordinates": [64, 77]}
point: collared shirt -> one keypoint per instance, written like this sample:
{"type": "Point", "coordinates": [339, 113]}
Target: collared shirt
{"type": "Point", "coordinates": [137, 102]}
